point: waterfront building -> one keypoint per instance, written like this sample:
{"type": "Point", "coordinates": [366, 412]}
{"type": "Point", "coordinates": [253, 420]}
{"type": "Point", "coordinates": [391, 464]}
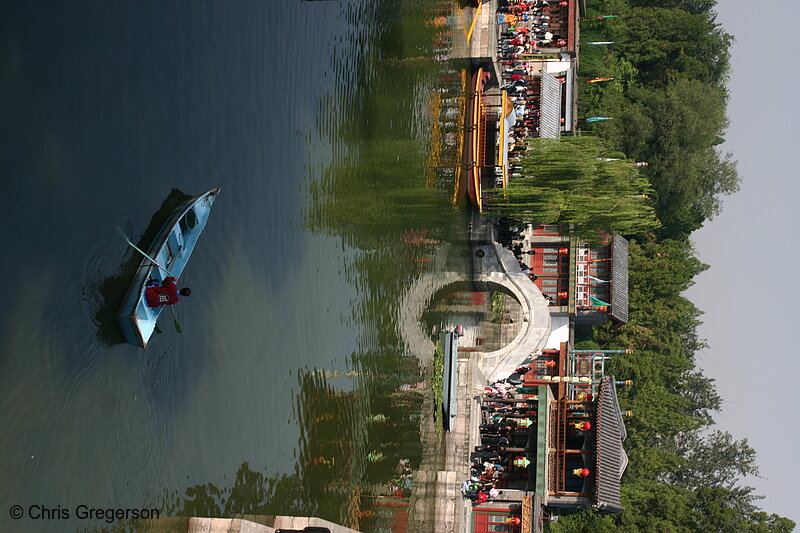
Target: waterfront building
{"type": "Point", "coordinates": [587, 282]}
{"type": "Point", "coordinates": [569, 454]}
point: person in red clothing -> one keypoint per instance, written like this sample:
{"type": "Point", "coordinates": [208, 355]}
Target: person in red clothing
{"type": "Point", "coordinates": [165, 294]}
{"type": "Point", "coordinates": [581, 472]}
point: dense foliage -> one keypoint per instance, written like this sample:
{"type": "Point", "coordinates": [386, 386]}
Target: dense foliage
{"type": "Point", "coordinates": [683, 475]}
{"type": "Point", "coordinates": [567, 182]}
{"type": "Point", "coordinates": [668, 101]}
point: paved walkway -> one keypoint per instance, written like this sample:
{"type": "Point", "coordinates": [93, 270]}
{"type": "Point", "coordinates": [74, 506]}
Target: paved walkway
{"type": "Point", "coordinates": [436, 501]}
{"type": "Point", "coordinates": [475, 34]}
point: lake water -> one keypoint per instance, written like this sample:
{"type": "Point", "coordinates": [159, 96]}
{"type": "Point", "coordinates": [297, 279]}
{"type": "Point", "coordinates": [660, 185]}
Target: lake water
{"type": "Point", "coordinates": [318, 121]}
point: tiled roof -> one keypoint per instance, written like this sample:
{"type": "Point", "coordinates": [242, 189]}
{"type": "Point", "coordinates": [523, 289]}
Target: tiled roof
{"type": "Point", "coordinates": [611, 457]}
{"type": "Point", "coordinates": [550, 110]}
{"type": "Point", "coordinates": [619, 279]}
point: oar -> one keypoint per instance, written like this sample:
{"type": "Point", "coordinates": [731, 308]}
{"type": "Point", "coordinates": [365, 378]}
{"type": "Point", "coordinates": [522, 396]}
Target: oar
{"type": "Point", "coordinates": [177, 324]}
{"type": "Point", "coordinates": [178, 327]}
{"type": "Point", "coordinates": [122, 233]}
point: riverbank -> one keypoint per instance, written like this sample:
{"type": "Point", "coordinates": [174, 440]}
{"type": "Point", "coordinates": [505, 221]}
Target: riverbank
{"type": "Point", "coordinates": [436, 501]}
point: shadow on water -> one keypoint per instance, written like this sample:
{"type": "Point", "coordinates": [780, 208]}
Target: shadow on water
{"type": "Point", "coordinates": [113, 288]}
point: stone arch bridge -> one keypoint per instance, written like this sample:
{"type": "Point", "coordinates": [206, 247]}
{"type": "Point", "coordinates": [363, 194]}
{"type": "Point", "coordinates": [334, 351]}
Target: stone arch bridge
{"type": "Point", "coordinates": [495, 269]}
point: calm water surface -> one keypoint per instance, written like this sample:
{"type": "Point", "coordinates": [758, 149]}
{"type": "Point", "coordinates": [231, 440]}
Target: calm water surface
{"type": "Point", "coordinates": [316, 120]}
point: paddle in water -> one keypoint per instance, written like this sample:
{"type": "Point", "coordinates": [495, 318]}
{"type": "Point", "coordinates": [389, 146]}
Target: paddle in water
{"type": "Point", "coordinates": [178, 327]}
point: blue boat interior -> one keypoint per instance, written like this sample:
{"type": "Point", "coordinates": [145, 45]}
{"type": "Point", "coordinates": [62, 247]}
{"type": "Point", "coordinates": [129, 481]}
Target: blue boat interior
{"type": "Point", "coordinates": [171, 250]}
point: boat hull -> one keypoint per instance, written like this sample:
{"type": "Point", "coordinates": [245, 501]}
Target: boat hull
{"type": "Point", "coordinates": [171, 249]}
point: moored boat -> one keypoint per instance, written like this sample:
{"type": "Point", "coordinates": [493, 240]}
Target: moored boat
{"type": "Point", "coordinates": [171, 249]}
{"type": "Point", "coordinates": [475, 137]}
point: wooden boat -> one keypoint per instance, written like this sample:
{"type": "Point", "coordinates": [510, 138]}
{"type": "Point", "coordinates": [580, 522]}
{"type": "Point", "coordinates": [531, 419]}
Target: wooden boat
{"type": "Point", "coordinates": [474, 138]}
{"type": "Point", "coordinates": [171, 249]}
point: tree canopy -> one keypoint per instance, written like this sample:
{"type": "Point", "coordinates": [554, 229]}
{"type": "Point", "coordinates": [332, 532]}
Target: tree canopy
{"type": "Point", "coordinates": [684, 475]}
{"type": "Point", "coordinates": [670, 61]}
{"type": "Point", "coordinates": [668, 99]}
{"type": "Point", "coordinates": [566, 182]}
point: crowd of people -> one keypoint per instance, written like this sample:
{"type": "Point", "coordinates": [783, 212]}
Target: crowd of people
{"type": "Point", "coordinates": [523, 7]}
{"type": "Point", "coordinates": [512, 237]}
{"type": "Point", "coordinates": [523, 92]}
{"type": "Point", "coordinates": [527, 27]}
{"type": "Point", "coordinates": [509, 421]}
{"type": "Point", "coordinates": [528, 35]}
{"type": "Point", "coordinates": [506, 420]}
{"type": "Point", "coordinates": [533, 24]}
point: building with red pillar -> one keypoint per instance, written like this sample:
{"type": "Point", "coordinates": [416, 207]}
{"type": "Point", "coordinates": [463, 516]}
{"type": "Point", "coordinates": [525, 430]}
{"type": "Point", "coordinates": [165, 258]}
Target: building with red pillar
{"type": "Point", "coordinates": [570, 456]}
{"type": "Point", "coordinates": [587, 282]}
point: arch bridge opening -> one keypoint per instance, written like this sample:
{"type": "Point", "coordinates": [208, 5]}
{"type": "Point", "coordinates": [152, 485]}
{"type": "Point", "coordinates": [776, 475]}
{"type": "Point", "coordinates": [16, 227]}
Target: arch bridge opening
{"type": "Point", "coordinates": [489, 313]}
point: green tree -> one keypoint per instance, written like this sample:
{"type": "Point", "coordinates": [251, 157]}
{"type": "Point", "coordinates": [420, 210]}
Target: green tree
{"type": "Point", "coordinates": [763, 523]}
{"type": "Point", "coordinates": [563, 182]}
{"type": "Point", "coordinates": [690, 6]}
{"type": "Point", "coordinates": [670, 65]}
{"type": "Point", "coordinates": [682, 476]}
{"type": "Point", "coordinates": [713, 460]}
{"type": "Point", "coordinates": [667, 43]}
{"type": "Point", "coordinates": [686, 168]}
